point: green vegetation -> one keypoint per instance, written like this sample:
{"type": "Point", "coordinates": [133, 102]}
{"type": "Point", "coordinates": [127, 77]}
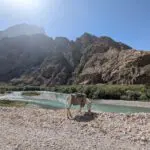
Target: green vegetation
{"type": "Point", "coordinates": [106, 91]}
{"type": "Point", "coordinates": [98, 91]}
{"type": "Point", "coordinates": [8, 88]}
{"type": "Point", "coordinates": [30, 93]}
{"type": "Point", "coordinates": [8, 103]}
{"type": "Point", "coordinates": [2, 91]}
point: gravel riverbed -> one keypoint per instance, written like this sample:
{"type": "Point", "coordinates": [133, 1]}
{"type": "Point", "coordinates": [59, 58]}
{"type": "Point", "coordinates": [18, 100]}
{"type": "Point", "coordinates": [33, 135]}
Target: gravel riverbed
{"type": "Point", "coordinates": [124, 103]}
{"type": "Point", "coordinates": [45, 129]}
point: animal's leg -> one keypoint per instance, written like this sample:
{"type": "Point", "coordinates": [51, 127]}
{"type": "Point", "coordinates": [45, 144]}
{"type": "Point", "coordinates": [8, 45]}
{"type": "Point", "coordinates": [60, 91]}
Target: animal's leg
{"type": "Point", "coordinates": [69, 115]}
{"type": "Point", "coordinates": [80, 109]}
{"type": "Point", "coordinates": [69, 106]}
{"type": "Point", "coordinates": [89, 104]}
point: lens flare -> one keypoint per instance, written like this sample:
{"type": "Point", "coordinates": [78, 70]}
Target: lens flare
{"type": "Point", "coordinates": [23, 4]}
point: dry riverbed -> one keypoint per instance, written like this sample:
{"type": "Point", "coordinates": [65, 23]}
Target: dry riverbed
{"type": "Point", "coordinates": [44, 129]}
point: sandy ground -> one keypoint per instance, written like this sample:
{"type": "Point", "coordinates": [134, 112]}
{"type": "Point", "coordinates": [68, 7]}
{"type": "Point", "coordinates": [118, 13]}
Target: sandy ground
{"type": "Point", "coordinates": [124, 103]}
{"type": "Point", "coordinates": [44, 129]}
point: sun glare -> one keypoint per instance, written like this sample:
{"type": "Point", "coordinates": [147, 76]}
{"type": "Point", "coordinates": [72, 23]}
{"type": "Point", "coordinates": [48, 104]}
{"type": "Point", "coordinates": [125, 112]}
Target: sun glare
{"type": "Point", "coordinates": [24, 4]}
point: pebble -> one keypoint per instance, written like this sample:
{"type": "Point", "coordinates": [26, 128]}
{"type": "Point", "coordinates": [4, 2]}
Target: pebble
{"type": "Point", "coordinates": [36, 128]}
{"type": "Point", "coordinates": [143, 138]}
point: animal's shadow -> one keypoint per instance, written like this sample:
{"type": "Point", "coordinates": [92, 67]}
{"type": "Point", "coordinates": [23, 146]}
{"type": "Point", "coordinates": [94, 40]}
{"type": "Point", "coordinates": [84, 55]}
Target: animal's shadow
{"type": "Point", "coordinates": [85, 117]}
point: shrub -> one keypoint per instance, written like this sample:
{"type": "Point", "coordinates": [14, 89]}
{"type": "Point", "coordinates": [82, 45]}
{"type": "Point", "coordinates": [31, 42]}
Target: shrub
{"type": "Point", "coordinates": [89, 90]}
{"type": "Point", "coordinates": [2, 91]}
{"type": "Point", "coordinates": [143, 97]}
{"type": "Point", "coordinates": [133, 95]}
{"type": "Point", "coordinates": [72, 89]}
{"type": "Point", "coordinates": [148, 93]}
{"type": "Point", "coordinates": [99, 93]}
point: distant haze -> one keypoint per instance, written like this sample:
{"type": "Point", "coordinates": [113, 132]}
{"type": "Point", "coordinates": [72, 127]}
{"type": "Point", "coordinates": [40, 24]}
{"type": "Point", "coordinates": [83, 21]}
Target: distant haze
{"type": "Point", "coordinates": [21, 29]}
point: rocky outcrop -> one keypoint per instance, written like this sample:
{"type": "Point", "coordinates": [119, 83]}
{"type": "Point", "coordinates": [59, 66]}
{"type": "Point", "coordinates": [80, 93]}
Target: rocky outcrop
{"type": "Point", "coordinates": [54, 70]}
{"type": "Point", "coordinates": [37, 59]}
{"type": "Point", "coordinates": [111, 65]}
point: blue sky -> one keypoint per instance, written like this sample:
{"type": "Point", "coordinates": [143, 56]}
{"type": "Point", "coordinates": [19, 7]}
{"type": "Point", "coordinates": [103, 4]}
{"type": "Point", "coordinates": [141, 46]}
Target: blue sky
{"type": "Point", "coordinates": [127, 21]}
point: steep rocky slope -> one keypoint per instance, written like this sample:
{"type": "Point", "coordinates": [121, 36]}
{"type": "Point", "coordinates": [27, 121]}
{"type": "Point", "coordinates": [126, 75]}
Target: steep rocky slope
{"type": "Point", "coordinates": [22, 54]}
{"type": "Point", "coordinates": [37, 59]}
{"type": "Point", "coordinates": [101, 64]}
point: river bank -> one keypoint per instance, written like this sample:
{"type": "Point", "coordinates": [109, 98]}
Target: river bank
{"type": "Point", "coordinates": [124, 103]}
{"type": "Point", "coordinates": [32, 128]}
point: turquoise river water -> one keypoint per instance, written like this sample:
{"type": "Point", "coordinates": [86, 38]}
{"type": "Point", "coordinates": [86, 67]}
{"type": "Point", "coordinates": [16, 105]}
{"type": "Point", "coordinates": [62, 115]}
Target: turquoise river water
{"type": "Point", "coordinates": [51, 100]}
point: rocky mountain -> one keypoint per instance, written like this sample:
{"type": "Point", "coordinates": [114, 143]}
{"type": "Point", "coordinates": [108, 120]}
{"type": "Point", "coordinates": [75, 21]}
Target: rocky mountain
{"type": "Point", "coordinates": [36, 59]}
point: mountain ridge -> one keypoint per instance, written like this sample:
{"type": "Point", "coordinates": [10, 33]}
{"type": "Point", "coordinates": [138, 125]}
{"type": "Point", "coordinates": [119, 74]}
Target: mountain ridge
{"type": "Point", "coordinates": [21, 29]}
{"type": "Point", "coordinates": [37, 59]}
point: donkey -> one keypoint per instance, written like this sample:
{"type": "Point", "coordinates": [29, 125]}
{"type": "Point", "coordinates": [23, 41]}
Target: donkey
{"type": "Point", "coordinates": [78, 99]}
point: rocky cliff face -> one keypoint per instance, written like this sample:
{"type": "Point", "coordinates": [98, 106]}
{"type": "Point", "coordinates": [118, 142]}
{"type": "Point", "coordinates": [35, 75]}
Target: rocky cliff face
{"type": "Point", "coordinates": [117, 66]}
{"type": "Point", "coordinates": [37, 59]}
